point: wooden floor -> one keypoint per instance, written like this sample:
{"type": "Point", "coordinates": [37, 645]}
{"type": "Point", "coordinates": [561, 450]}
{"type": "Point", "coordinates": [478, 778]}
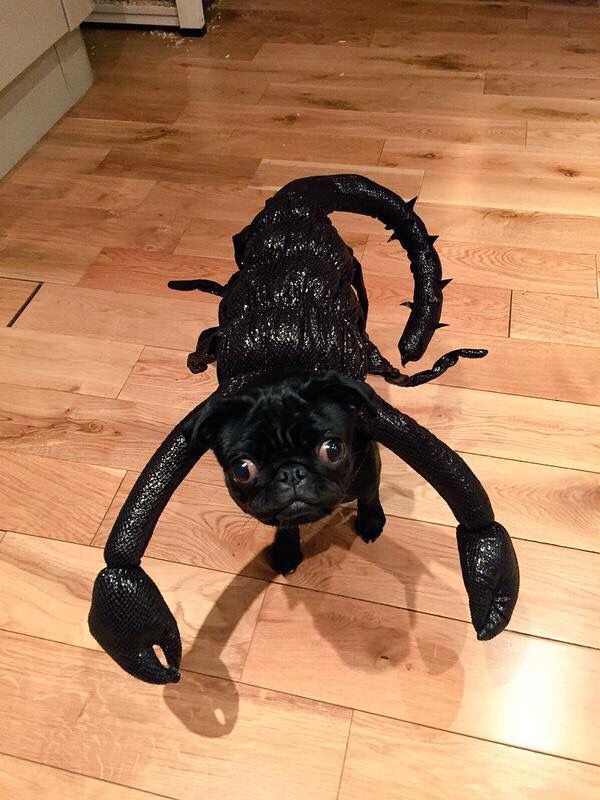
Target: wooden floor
{"type": "Point", "coordinates": [360, 676]}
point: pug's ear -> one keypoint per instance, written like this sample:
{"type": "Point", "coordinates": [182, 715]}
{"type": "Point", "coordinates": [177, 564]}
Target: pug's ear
{"type": "Point", "coordinates": [204, 427]}
{"type": "Point", "coordinates": [350, 393]}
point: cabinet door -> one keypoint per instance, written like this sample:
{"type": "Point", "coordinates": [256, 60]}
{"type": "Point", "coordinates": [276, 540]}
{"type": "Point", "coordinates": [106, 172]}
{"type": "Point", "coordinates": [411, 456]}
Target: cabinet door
{"type": "Point", "coordinates": [27, 29]}
{"type": "Point", "coordinates": [77, 11]}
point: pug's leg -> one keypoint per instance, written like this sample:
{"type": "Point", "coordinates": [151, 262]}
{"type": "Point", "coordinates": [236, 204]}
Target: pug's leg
{"type": "Point", "coordinates": [284, 555]}
{"type": "Point", "coordinates": [370, 519]}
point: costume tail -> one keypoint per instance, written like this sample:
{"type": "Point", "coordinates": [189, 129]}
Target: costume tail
{"type": "Point", "coordinates": [360, 195]}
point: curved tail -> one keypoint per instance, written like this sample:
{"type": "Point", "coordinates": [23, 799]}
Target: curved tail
{"type": "Point", "coordinates": [359, 195]}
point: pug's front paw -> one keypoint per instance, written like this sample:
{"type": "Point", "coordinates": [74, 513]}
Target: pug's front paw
{"type": "Point", "coordinates": [284, 556]}
{"type": "Point", "coordinates": [370, 521]}
{"type": "Point", "coordinates": [281, 560]}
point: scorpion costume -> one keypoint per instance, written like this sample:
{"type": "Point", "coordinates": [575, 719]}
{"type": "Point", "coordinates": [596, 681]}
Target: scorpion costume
{"type": "Point", "coordinates": [298, 300]}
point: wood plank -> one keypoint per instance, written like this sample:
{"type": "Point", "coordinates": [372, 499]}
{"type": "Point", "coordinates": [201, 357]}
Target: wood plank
{"type": "Point", "coordinates": [162, 376]}
{"type": "Point", "coordinates": [508, 426]}
{"type": "Point", "coordinates": [64, 500]}
{"type": "Point", "coordinates": [156, 163]}
{"type": "Point", "coordinates": [8, 215]}
{"type": "Point", "coordinates": [274, 173]}
{"type": "Point", "coordinates": [13, 295]}
{"type": "Point", "coordinates": [467, 22]}
{"type": "Point", "coordinates": [358, 69]}
{"type": "Point", "coordinates": [86, 191]}
{"type": "Point", "coordinates": [486, 106]}
{"type": "Point", "coordinates": [73, 225]}
{"type": "Point", "coordinates": [112, 98]}
{"type": "Point", "coordinates": [231, 739]}
{"type": "Point", "coordinates": [466, 308]}
{"type": "Point", "coordinates": [555, 318]}
{"type": "Point", "coordinates": [423, 50]}
{"type": "Point", "coordinates": [512, 366]}
{"type": "Point", "coordinates": [46, 590]}
{"type": "Point", "coordinates": [67, 363]}
{"type": "Point", "coordinates": [109, 133]}
{"type": "Point", "coordinates": [558, 139]}
{"type": "Point", "coordinates": [568, 233]}
{"type": "Point", "coordinates": [508, 52]}
{"type": "Point", "coordinates": [45, 261]}
{"type": "Point", "coordinates": [534, 501]}
{"type": "Point", "coordinates": [427, 670]}
{"type": "Point", "coordinates": [508, 267]}
{"type": "Point", "coordinates": [380, 124]}
{"type": "Point", "coordinates": [276, 27]}
{"type": "Point", "coordinates": [413, 565]}
{"type": "Point", "coordinates": [64, 159]}
{"type": "Point", "coordinates": [400, 761]}
{"type": "Point", "coordinates": [156, 104]}
{"type": "Point", "coordinates": [531, 84]}
{"type": "Point", "coordinates": [28, 781]}
{"type": "Point", "coordinates": [476, 161]}
{"type": "Point", "coordinates": [82, 428]}
{"type": "Point", "coordinates": [143, 272]}
{"type": "Point", "coordinates": [560, 195]}
{"type": "Point", "coordinates": [229, 199]}
{"type": "Point", "coordinates": [313, 147]}
{"type": "Point", "coordinates": [120, 317]}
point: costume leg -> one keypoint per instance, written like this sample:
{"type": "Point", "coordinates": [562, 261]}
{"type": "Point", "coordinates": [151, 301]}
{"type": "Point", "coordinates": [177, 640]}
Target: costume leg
{"type": "Point", "coordinates": [378, 365]}
{"type": "Point", "coordinates": [359, 287]}
{"type": "Point", "coordinates": [205, 352]}
{"type": "Point", "coordinates": [128, 615]}
{"type": "Point", "coordinates": [487, 557]}
{"type": "Point", "coordinates": [284, 555]}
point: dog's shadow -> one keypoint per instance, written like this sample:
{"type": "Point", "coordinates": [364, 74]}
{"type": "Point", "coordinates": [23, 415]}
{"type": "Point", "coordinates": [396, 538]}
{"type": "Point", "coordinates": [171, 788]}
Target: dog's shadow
{"type": "Point", "coordinates": [210, 707]}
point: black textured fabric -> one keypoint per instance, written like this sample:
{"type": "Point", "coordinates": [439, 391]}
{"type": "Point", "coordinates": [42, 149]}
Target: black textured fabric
{"type": "Point", "coordinates": [299, 297]}
{"type": "Point", "coordinates": [128, 617]}
{"type": "Point", "coordinates": [298, 302]}
{"type": "Point", "coordinates": [491, 576]}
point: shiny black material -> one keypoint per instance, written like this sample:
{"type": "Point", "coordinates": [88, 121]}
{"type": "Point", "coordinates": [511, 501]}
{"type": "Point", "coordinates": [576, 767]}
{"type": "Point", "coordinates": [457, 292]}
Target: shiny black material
{"type": "Point", "coordinates": [298, 302]}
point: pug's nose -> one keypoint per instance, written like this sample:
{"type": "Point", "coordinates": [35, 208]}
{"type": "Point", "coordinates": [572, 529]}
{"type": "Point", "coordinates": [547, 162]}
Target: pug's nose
{"type": "Point", "coordinates": [291, 474]}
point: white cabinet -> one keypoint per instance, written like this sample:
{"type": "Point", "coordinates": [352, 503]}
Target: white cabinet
{"type": "Point", "coordinates": [44, 69]}
{"type": "Point", "coordinates": [27, 29]}
{"type": "Point", "coordinates": [76, 11]}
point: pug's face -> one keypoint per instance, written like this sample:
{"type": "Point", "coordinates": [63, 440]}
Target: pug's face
{"type": "Point", "coordinates": [290, 450]}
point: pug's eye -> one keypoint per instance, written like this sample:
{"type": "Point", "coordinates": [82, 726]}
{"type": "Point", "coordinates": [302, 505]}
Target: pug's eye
{"type": "Point", "coordinates": [244, 471]}
{"type": "Point", "coordinates": [332, 450]}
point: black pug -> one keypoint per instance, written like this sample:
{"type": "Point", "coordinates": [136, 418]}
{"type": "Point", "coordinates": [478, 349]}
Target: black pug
{"type": "Point", "coordinates": [292, 451]}
{"type": "Point", "coordinates": [293, 423]}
